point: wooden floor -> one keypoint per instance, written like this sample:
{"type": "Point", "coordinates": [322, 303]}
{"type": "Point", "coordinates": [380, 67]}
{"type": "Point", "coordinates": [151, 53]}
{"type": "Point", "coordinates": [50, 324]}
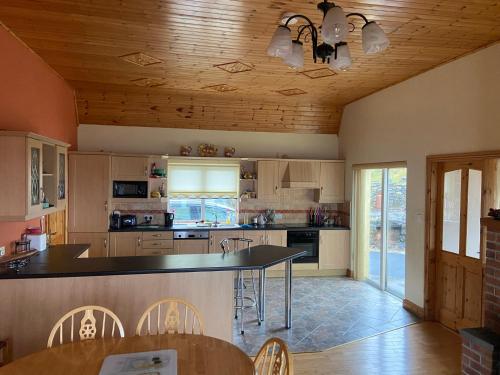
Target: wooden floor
{"type": "Point", "coordinates": [424, 348]}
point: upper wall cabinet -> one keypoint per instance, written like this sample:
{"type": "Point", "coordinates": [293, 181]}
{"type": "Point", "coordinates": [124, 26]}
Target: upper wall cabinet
{"type": "Point", "coordinates": [129, 168]}
{"type": "Point", "coordinates": [268, 180]}
{"type": "Point", "coordinates": [33, 171]}
{"type": "Point", "coordinates": [331, 182]}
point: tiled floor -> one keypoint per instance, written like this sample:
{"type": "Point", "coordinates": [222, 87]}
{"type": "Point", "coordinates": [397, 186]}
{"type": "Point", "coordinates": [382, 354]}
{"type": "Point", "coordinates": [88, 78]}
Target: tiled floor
{"type": "Point", "coordinates": [327, 311]}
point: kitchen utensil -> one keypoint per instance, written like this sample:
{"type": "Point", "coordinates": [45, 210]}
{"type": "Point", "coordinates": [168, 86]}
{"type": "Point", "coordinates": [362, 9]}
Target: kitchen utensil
{"type": "Point", "coordinates": [128, 221]}
{"type": "Point", "coordinates": [261, 219]}
{"type": "Point", "coordinates": [115, 220]}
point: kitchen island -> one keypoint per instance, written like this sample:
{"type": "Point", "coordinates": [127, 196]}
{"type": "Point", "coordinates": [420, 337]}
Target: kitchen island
{"type": "Point", "coordinates": [62, 278]}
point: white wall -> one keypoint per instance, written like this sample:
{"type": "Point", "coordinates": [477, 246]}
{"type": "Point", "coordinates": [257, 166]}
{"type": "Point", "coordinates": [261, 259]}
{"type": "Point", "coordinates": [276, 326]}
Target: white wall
{"type": "Point", "coordinates": [450, 109]}
{"type": "Point", "coordinates": [168, 141]}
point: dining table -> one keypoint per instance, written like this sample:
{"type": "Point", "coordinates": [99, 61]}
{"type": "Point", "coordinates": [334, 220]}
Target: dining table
{"type": "Point", "coordinates": [196, 354]}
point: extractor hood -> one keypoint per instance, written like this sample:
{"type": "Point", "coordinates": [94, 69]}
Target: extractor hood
{"type": "Point", "coordinates": [301, 175]}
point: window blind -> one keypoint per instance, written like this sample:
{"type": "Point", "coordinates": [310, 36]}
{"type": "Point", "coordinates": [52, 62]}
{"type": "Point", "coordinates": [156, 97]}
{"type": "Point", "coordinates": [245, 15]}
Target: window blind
{"type": "Point", "coordinates": [197, 179]}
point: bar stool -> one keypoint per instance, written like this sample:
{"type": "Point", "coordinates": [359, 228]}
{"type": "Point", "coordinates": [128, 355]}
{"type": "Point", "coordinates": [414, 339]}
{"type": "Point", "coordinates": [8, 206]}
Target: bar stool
{"type": "Point", "coordinates": [241, 302]}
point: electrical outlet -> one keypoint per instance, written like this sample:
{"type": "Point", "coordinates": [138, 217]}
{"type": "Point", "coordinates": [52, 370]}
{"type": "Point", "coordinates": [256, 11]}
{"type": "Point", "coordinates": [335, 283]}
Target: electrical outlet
{"type": "Point", "coordinates": [2, 251]}
{"type": "Point", "coordinates": [148, 218]}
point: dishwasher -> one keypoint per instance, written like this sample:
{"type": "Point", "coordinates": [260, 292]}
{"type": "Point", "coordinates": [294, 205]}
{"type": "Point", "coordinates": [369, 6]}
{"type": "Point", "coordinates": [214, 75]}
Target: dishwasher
{"type": "Point", "coordinates": [191, 242]}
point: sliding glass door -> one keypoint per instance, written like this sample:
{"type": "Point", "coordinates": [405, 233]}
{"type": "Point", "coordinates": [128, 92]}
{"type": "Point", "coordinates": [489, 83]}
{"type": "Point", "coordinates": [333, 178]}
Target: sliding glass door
{"type": "Point", "coordinates": [380, 209]}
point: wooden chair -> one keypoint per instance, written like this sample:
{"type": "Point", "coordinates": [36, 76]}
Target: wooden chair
{"type": "Point", "coordinates": [88, 324]}
{"type": "Point", "coordinates": [166, 318]}
{"type": "Point", "coordinates": [273, 358]}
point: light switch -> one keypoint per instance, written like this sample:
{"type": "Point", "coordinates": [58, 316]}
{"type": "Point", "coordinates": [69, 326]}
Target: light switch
{"type": "Point", "coordinates": [2, 251]}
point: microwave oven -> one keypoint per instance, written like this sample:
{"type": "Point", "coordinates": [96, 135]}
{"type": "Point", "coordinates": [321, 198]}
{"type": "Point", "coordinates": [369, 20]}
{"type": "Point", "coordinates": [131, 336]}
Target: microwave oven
{"type": "Point", "coordinates": [130, 189]}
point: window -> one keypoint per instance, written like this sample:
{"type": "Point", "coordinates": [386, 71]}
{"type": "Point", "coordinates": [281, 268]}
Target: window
{"type": "Point", "coordinates": [192, 210]}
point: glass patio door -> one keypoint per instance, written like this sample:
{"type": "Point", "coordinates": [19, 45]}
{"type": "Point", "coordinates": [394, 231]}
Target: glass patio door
{"type": "Point", "coordinates": [381, 227]}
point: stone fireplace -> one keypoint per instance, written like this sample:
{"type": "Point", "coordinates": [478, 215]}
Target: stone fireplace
{"type": "Point", "coordinates": [481, 346]}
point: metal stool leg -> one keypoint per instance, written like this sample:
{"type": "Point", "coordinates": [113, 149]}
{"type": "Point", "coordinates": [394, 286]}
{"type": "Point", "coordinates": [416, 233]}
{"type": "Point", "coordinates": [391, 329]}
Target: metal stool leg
{"type": "Point", "coordinates": [256, 299]}
{"type": "Point", "coordinates": [242, 302]}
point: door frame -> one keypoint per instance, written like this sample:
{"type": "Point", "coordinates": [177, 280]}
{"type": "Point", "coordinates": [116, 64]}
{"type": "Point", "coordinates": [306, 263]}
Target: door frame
{"type": "Point", "coordinates": [354, 223]}
{"type": "Point", "coordinates": [431, 226]}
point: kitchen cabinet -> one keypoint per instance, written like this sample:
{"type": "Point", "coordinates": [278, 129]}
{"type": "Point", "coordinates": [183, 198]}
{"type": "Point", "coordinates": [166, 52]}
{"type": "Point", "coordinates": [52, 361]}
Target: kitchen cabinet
{"type": "Point", "coordinates": [216, 236]}
{"type": "Point", "coordinates": [268, 237]}
{"type": "Point", "coordinates": [191, 246]}
{"type": "Point", "coordinates": [268, 180]}
{"type": "Point", "coordinates": [124, 244]}
{"type": "Point", "coordinates": [99, 243]}
{"type": "Point", "coordinates": [28, 171]}
{"type": "Point", "coordinates": [331, 182]}
{"type": "Point", "coordinates": [89, 184]}
{"type": "Point", "coordinates": [62, 176]}
{"type": "Point", "coordinates": [276, 238]}
{"type": "Point", "coordinates": [129, 168]}
{"type": "Point", "coordinates": [56, 228]}
{"type": "Point", "coordinates": [299, 174]}
{"type": "Point", "coordinates": [334, 249]}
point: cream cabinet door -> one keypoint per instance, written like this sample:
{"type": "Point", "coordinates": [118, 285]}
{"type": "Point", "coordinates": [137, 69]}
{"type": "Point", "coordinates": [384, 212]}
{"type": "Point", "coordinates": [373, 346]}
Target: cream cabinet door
{"type": "Point", "coordinates": [331, 182]}
{"type": "Point", "coordinates": [125, 244]}
{"type": "Point", "coordinates": [268, 180]}
{"type": "Point", "coordinates": [190, 246]}
{"type": "Point", "coordinates": [35, 179]}
{"type": "Point", "coordinates": [62, 176]}
{"type": "Point", "coordinates": [334, 249]}
{"type": "Point", "coordinates": [276, 238]}
{"type": "Point", "coordinates": [99, 243]}
{"type": "Point", "coordinates": [89, 193]}
{"type": "Point", "coordinates": [258, 237]}
{"type": "Point", "coordinates": [216, 236]}
{"type": "Point", "coordinates": [129, 168]}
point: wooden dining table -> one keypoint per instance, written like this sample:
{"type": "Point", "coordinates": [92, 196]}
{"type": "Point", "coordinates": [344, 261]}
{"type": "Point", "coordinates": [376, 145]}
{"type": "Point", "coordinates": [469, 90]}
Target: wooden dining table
{"type": "Point", "coordinates": [196, 354]}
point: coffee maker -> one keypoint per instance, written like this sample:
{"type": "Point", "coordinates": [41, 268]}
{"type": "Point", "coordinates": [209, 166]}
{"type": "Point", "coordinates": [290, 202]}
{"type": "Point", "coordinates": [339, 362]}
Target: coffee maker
{"type": "Point", "coordinates": [169, 219]}
{"type": "Point", "coordinates": [115, 220]}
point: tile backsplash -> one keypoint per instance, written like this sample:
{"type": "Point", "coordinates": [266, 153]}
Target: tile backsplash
{"type": "Point", "coordinates": [293, 207]}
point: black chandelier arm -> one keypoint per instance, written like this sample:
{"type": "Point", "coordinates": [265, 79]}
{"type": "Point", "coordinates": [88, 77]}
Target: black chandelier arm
{"type": "Point", "coordinates": [299, 16]}
{"type": "Point", "coordinates": [358, 15]}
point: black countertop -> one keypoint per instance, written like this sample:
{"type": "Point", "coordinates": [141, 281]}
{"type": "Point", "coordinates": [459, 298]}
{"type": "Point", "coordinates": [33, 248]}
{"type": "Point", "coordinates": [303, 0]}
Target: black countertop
{"type": "Point", "coordinates": [187, 227]}
{"type": "Point", "coordinates": [63, 261]}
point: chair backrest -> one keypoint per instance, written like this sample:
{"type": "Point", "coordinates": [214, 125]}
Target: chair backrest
{"type": "Point", "coordinates": [233, 244]}
{"type": "Point", "coordinates": [170, 315]}
{"type": "Point", "coordinates": [273, 358]}
{"type": "Point", "coordinates": [89, 324]}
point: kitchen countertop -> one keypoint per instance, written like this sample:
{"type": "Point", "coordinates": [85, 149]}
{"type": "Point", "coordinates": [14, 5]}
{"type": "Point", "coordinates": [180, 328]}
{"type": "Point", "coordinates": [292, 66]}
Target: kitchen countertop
{"type": "Point", "coordinates": [185, 227]}
{"type": "Point", "coordinates": [63, 261]}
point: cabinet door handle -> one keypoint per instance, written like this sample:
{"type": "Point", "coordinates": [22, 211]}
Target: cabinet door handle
{"type": "Point", "coordinates": [105, 243]}
{"type": "Point", "coordinates": [156, 235]}
{"type": "Point", "coordinates": [106, 206]}
{"type": "Point", "coordinates": [138, 242]}
{"type": "Point", "coordinates": [146, 171]}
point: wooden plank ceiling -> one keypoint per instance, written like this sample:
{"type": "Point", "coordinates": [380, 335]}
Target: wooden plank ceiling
{"type": "Point", "coordinates": [182, 83]}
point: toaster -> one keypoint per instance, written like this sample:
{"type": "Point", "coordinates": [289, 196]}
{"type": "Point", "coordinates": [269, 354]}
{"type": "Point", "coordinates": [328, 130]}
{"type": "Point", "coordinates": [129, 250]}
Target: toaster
{"type": "Point", "coordinates": [128, 221]}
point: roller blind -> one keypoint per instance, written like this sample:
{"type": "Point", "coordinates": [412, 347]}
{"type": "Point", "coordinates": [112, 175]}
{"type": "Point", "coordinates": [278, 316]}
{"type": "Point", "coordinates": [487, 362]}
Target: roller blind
{"type": "Point", "coordinates": [196, 179]}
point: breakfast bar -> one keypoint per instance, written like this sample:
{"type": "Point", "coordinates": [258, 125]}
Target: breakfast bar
{"type": "Point", "coordinates": [127, 284]}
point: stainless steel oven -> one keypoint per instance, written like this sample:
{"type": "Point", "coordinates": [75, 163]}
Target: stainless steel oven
{"type": "Point", "coordinates": [307, 240]}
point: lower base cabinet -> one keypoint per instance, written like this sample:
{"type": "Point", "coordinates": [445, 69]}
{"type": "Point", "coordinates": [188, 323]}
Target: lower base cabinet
{"type": "Point", "coordinates": [268, 237]}
{"type": "Point", "coordinates": [124, 244]}
{"type": "Point", "coordinates": [190, 246]}
{"type": "Point", "coordinates": [334, 249]}
{"type": "Point", "coordinates": [99, 243]}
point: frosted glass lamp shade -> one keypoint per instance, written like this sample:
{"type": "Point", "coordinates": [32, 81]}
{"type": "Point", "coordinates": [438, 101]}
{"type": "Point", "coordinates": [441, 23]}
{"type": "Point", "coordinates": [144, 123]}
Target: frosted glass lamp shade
{"type": "Point", "coordinates": [374, 38]}
{"type": "Point", "coordinates": [296, 58]}
{"type": "Point", "coordinates": [334, 28]}
{"type": "Point", "coordinates": [341, 59]}
{"type": "Point", "coordinates": [281, 43]}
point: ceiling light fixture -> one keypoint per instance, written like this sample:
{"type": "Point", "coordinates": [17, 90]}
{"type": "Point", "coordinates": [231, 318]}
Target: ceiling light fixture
{"type": "Point", "coordinates": [334, 31]}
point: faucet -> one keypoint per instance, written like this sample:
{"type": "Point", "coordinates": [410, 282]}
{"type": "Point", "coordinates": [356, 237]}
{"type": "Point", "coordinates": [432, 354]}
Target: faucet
{"type": "Point", "coordinates": [216, 222]}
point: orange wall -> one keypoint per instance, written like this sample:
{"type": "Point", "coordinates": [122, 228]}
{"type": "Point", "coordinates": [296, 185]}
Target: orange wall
{"type": "Point", "coordinates": [33, 97]}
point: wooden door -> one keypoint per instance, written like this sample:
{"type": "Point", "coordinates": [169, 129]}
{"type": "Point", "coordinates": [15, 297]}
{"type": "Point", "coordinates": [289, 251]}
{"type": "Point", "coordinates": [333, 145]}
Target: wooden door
{"type": "Point", "coordinates": [34, 180]}
{"type": "Point", "coordinates": [216, 236]}
{"type": "Point", "coordinates": [190, 246]}
{"type": "Point", "coordinates": [268, 180]}
{"type": "Point", "coordinates": [124, 244]}
{"type": "Point", "coordinates": [276, 238]}
{"type": "Point", "coordinates": [334, 251]}
{"type": "Point", "coordinates": [129, 168]}
{"type": "Point", "coordinates": [99, 243]}
{"type": "Point", "coordinates": [56, 227]}
{"type": "Point", "coordinates": [459, 255]}
{"type": "Point", "coordinates": [89, 182]}
{"type": "Point", "coordinates": [331, 182]}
